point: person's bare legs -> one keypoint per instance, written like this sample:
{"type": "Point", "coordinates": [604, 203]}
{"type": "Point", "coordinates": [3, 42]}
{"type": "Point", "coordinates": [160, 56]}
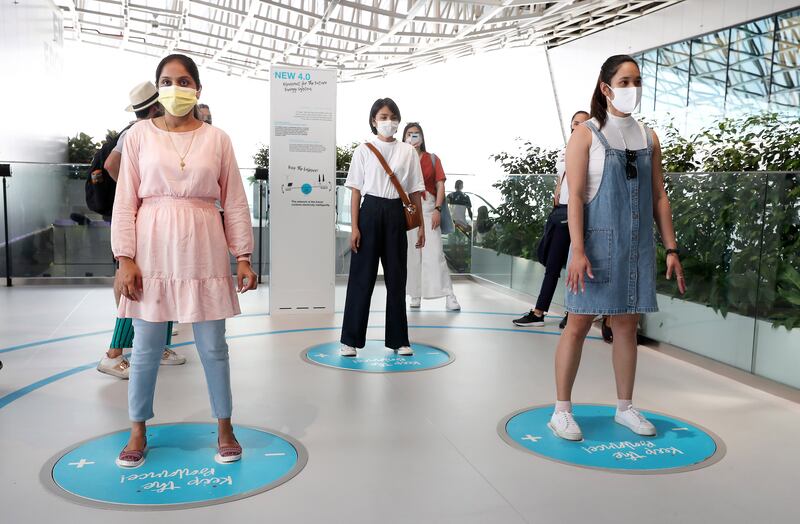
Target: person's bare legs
{"type": "Point", "coordinates": [624, 357]}
{"type": "Point", "coordinates": [624, 354]}
{"type": "Point", "coordinates": [568, 354]}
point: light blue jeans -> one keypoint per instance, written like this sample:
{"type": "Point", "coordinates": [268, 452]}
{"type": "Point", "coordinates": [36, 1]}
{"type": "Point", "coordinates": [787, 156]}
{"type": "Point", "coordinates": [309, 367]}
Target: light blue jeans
{"type": "Point", "coordinates": [148, 346]}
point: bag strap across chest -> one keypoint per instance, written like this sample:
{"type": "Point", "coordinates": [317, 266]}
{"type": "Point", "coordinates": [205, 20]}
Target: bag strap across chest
{"type": "Point", "coordinates": [392, 176]}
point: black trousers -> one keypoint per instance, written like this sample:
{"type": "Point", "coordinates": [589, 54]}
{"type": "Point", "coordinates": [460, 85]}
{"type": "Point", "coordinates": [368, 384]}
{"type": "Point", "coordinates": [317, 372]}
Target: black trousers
{"type": "Point", "coordinates": [382, 223]}
{"type": "Point", "coordinates": [556, 260]}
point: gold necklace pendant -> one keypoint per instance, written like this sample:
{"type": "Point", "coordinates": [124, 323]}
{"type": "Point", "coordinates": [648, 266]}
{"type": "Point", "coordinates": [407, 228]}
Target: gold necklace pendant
{"type": "Point", "coordinates": [181, 157]}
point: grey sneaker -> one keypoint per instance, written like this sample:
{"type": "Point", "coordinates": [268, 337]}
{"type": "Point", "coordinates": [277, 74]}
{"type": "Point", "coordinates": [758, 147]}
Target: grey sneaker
{"type": "Point", "coordinates": [170, 358]}
{"type": "Point", "coordinates": [452, 304]}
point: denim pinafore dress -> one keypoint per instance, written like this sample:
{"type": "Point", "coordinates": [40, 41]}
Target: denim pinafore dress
{"type": "Point", "coordinates": [618, 238]}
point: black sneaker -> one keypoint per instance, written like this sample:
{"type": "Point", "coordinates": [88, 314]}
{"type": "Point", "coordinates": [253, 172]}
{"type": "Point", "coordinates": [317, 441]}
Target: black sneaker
{"type": "Point", "coordinates": [563, 323]}
{"type": "Point", "coordinates": [530, 319]}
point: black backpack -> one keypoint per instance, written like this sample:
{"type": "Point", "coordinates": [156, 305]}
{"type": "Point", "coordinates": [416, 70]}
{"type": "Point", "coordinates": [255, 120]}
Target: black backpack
{"type": "Point", "coordinates": [100, 187]}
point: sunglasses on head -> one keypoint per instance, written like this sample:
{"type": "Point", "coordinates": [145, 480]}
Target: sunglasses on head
{"type": "Point", "coordinates": [631, 171]}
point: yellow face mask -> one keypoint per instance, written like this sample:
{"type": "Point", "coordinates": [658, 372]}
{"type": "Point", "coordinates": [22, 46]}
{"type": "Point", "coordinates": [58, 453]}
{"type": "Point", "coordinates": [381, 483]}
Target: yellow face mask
{"type": "Point", "coordinates": [177, 101]}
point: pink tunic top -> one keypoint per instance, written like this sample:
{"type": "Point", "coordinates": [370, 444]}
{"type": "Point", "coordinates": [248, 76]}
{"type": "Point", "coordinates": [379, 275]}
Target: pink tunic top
{"type": "Point", "coordinates": [165, 219]}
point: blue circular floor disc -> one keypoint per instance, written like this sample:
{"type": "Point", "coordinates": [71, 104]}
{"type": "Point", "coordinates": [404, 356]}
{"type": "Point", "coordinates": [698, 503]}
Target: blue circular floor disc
{"type": "Point", "coordinates": [376, 358]}
{"type": "Point", "coordinates": [179, 468]}
{"type": "Point", "coordinates": [678, 445]}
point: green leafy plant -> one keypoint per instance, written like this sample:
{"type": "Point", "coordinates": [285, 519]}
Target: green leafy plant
{"type": "Point", "coordinates": [110, 135]}
{"type": "Point", "coordinates": [527, 200]}
{"type": "Point", "coordinates": [261, 158]}
{"type": "Point", "coordinates": [344, 155]}
{"type": "Point", "coordinates": [739, 231]}
{"type": "Point", "coordinates": [80, 150]}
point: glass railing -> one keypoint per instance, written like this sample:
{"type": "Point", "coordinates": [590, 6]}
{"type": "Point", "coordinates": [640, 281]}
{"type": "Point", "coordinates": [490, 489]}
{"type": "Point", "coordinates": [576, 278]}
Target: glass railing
{"type": "Point", "coordinates": [53, 235]}
{"type": "Point", "coordinates": [457, 245]}
{"type": "Point", "coordinates": [739, 235]}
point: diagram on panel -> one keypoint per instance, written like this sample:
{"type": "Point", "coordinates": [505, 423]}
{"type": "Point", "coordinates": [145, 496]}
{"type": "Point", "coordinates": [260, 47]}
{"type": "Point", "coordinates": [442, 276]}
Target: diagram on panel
{"type": "Point", "coordinates": [291, 184]}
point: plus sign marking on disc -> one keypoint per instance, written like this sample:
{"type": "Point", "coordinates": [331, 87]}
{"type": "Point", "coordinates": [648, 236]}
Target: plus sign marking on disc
{"type": "Point", "coordinates": [375, 357]}
{"type": "Point", "coordinates": [678, 445]}
{"type": "Point", "coordinates": [179, 469]}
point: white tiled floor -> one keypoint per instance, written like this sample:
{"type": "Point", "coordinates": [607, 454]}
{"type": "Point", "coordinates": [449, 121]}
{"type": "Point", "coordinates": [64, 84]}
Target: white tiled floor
{"type": "Point", "coordinates": [417, 447]}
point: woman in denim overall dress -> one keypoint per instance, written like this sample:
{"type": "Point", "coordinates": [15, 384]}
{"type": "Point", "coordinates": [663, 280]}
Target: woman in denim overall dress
{"type": "Point", "coordinates": [616, 195]}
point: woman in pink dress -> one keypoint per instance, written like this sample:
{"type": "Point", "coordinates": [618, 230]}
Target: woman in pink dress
{"type": "Point", "coordinates": [173, 248]}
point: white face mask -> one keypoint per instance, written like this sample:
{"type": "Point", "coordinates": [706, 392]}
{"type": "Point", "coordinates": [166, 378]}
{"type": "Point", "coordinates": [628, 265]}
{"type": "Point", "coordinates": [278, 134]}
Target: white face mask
{"type": "Point", "coordinates": [626, 99]}
{"type": "Point", "coordinates": [414, 139]}
{"type": "Point", "coordinates": [387, 128]}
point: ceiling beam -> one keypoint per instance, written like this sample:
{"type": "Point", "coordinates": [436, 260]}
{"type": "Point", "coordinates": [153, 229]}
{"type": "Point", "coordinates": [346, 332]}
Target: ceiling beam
{"type": "Point", "coordinates": [244, 24]}
{"type": "Point", "coordinates": [319, 25]}
{"type": "Point", "coordinates": [418, 6]}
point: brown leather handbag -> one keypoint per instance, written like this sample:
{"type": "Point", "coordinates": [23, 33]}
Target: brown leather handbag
{"type": "Point", "coordinates": [413, 214]}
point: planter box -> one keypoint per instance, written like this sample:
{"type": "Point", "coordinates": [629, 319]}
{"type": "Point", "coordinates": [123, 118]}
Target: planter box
{"type": "Point", "coordinates": [488, 264]}
{"type": "Point", "coordinates": [701, 330]}
{"type": "Point", "coordinates": [684, 324]}
{"type": "Point", "coordinates": [527, 276]}
{"type": "Point", "coordinates": [778, 353]}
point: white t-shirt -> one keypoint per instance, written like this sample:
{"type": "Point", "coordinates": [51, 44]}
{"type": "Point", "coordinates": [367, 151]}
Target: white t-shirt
{"type": "Point", "coordinates": [621, 133]}
{"type": "Point", "coordinates": [561, 170]}
{"type": "Point", "coordinates": [120, 142]}
{"type": "Point", "coordinates": [368, 176]}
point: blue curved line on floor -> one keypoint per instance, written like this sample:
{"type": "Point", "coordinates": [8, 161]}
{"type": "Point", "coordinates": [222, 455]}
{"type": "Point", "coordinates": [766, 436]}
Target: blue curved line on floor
{"type": "Point", "coordinates": [15, 395]}
{"type": "Point", "coordinates": [53, 341]}
{"type": "Point", "coordinates": [106, 332]}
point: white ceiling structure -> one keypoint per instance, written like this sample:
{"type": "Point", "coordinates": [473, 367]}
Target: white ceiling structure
{"type": "Point", "coordinates": [362, 39]}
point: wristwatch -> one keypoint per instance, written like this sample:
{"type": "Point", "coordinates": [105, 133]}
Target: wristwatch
{"type": "Point", "coordinates": [675, 251]}
{"type": "Point", "coordinates": [438, 208]}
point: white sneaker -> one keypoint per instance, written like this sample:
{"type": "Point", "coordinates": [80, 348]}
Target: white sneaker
{"type": "Point", "coordinates": [415, 302]}
{"type": "Point", "coordinates": [452, 304]}
{"type": "Point", "coordinates": [405, 351]}
{"type": "Point", "coordinates": [635, 421]}
{"type": "Point", "coordinates": [116, 367]}
{"type": "Point", "coordinates": [563, 425]}
{"type": "Point", "coordinates": [170, 358]}
{"type": "Point", "coordinates": [348, 351]}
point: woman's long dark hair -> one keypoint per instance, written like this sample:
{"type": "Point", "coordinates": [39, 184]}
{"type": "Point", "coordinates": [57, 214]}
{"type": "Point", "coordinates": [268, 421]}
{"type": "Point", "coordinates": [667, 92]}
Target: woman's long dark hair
{"type": "Point", "coordinates": [599, 103]}
{"type": "Point", "coordinates": [421, 133]}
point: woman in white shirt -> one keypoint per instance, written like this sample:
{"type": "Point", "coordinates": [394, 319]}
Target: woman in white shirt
{"type": "Point", "coordinates": [559, 244]}
{"type": "Point", "coordinates": [379, 230]}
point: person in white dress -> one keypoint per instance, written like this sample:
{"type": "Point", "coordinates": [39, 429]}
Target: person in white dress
{"type": "Point", "coordinates": [428, 274]}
